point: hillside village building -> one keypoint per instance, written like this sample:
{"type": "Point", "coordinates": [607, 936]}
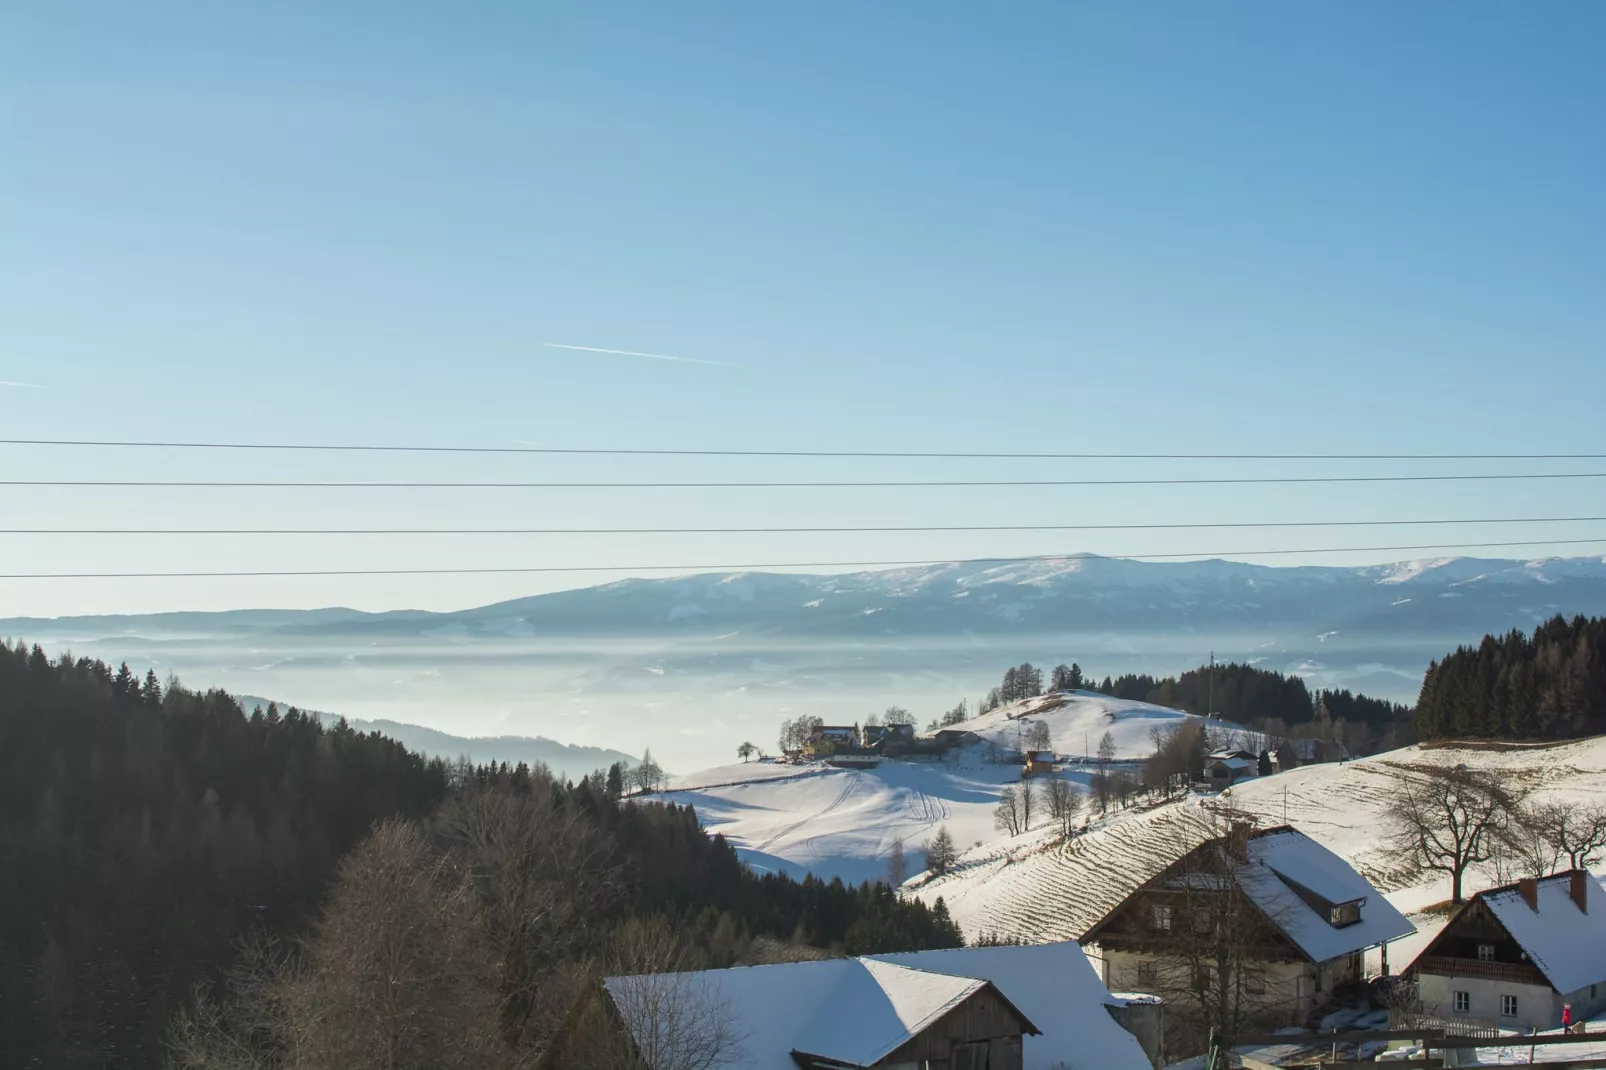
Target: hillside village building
{"type": "Point", "coordinates": [995, 1008]}
{"type": "Point", "coordinates": [1224, 768]}
{"type": "Point", "coordinates": [827, 738]}
{"type": "Point", "coordinates": [1298, 919]}
{"type": "Point", "coordinates": [1516, 955]}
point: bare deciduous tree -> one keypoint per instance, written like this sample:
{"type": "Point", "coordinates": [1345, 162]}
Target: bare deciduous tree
{"type": "Point", "coordinates": [746, 751]}
{"type": "Point", "coordinates": [654, 1010]}
{"type": "Point", "coordinates": [1064, 801]}
{"type": "Point", "coordinates": [1547, 837]}
{"type": "Point", "coordinates": [542, 874]}
{"type": "Point", "coordinates": [1038, 737]}
{"type": "Point", "coordinates": [649, 775]}
{"type": "Point", "coordinates": [1446, 820]}
{"type": "Point", "coordinates": [1007, 814]}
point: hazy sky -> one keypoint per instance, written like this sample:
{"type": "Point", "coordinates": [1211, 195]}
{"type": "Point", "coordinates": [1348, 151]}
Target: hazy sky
{"type": "Point", "coordinates": [1105, 227]}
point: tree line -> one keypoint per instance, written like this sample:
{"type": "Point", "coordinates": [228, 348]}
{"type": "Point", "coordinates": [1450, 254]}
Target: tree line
{"type": "Point", "coordinates": [1548, 685]}
{"type": "Point", "coordinates": [1262, 700]}
{"type": "Point", "coordinates": [149, 833]}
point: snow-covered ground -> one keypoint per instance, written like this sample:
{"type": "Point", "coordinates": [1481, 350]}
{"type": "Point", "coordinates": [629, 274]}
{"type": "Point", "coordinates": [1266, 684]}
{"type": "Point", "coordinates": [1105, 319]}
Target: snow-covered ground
{"type": "Point", "coordinates": [843, 823]}
{"type": "Point", "coordinates": [1042, 890]}
{"type": "Point", "coordinates": [1076, 722]}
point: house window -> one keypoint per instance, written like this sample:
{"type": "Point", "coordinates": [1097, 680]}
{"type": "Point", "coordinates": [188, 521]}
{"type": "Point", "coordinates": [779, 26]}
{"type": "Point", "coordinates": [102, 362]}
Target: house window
{"type": "Point", "coordinates": [1146, 975]}
{"type": "Point", "coordinates": [1463, 1002]}
{"type": "Point", "coordinates": [1162, 917]}
{"type": "Point", "coordinates": [1508, 1006]}
{"type": "Point", "coordinates": [1485, 952]}
{"type": "Point", "coordinates": [1201, 977]}
{"type": "Point", "coordinates": [1344, 914]}
{"type": "Point", "coordinates": [1255, 982]}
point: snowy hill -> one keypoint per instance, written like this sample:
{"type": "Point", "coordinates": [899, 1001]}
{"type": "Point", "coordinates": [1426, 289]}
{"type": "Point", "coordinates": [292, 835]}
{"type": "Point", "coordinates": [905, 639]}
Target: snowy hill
{"type": "Point", "coordinates": [843, 823]}
{"type": "Point", "coordinates": [1077, 720]}
{"type": "Point", "coordinates": [1040, 890]}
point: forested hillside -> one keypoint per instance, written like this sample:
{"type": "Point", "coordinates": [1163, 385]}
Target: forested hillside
{"type": "Point", "coordinates": [143, 829]}
{"type": "Point", "coordinates": [147, 832]}
{"type": "Point", "coordinates": [1550, 685]}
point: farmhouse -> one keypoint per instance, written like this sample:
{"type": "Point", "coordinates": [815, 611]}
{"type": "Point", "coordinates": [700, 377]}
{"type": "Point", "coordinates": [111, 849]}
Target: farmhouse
{"type": "Point", "coordinates": [1272, 919]}
{"type": "Point", "coordinates": [826, 738]}
{"type": "Point", "coordinates": [1224, 768]}
{"type": "Point", "coordinates": [1004, 1008]}
{"type": "Point", "coordinates": [1516, 955]}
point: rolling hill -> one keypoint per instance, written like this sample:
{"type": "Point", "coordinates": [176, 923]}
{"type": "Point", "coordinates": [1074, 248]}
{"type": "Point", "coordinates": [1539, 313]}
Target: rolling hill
{"type": "Point", "coordinates": [843, 823]}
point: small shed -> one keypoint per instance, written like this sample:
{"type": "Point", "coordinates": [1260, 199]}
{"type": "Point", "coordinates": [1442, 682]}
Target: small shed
{"type": "Point", "coordinates": [1037, 762]}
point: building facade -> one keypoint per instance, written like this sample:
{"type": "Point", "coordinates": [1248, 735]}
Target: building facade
{"type": "Point", "coordinates": [1518, 954]}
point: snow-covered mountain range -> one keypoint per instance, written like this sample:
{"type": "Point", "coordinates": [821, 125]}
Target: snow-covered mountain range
{"type": "Point", "coordinates": [1072, 593]}
{"type": "Point", "coordinates": [692, 665]}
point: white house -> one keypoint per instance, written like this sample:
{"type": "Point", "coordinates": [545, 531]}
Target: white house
{"type": "Point", "coordinates": [1516, 955]}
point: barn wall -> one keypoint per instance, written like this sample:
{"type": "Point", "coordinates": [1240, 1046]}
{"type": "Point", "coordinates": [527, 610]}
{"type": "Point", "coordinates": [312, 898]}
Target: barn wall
{"type": "Point", "coordinates": [982, 1017]}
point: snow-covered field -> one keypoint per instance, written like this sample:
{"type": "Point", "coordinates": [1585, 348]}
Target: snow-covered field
{"type": "Point", "coordinates": [837, 822]}
{"type": "Point", "coordinates": [1077, 720]}
{"type": "Point", "coordinates": [1038, 889]}
{"type": "Point", "coordinates": [843, 823]}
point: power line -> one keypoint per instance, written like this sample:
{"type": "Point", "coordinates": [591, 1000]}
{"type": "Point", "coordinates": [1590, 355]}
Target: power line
{"type": "Point", "coordinates": [766, 565]}
{"type": "Point", "coordinates": [752, 485]}
{"type": "Point", "coordinates": [805, 530]}
{"type": "Point", "coordinates": [894, 454]}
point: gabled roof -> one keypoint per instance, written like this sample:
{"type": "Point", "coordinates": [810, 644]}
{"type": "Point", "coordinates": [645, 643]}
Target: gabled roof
{"type": "Point", "coordinates": [850, 1011]}
{"type": "Point", "coordinates": [1281, 859]}
{"type": "Point", "coordinates": [1235, 764]}
{"type": "Point", "coordinates": [1040, 756]}
{"type": "Point", "coordinates": [1567, 944]}
{"type": "Point", "coordinates": [1056, 987]}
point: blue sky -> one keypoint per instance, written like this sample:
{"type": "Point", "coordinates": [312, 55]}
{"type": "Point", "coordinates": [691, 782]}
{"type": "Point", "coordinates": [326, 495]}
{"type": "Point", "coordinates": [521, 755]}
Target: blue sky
{"type": "Point", "coordinates": [1256, 227]}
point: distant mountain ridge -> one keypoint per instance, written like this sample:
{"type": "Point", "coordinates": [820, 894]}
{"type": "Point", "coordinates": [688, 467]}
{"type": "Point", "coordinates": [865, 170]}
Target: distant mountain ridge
{"type": "Point", "coordinates": [1046, 594]}
{"type": "Point", "coordinates": [565, 759]}
{"type": "Point", "coordinates": [691, 666]}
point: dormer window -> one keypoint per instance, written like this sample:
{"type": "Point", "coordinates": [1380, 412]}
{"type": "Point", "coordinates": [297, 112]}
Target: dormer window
{"type": "Point", "coordinates": [1342, 914]}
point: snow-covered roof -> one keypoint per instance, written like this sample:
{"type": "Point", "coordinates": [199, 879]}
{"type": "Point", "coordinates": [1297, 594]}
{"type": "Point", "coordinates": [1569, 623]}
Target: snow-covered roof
{"type": "Point", "coordinates": [1567, 944]}
{"type": "Point", "coordinates": [1040, 755]}
{"type": "Point", "coordinates": [1057, 988]}
{"type": "Point", "coordinates": [1237, 765]}
{"type": "Point", "coordinates": [853, 1011]}
{"type": "Point", "coordinates": [1282, 855]}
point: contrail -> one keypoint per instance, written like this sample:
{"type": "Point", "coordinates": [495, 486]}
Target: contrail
{"type": "Point", "coordinates": [633, 353]}
{"type": "Point", "coordinates": [29, 386]}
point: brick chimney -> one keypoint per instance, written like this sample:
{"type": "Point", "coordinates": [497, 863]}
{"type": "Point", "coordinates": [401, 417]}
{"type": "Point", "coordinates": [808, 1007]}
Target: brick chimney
{"type": "Point", "coordinates": [1580, 890]}
{"type": "Point", "coordinates": [1238, 841]}
{"type": "Point", "coordinates": [1528, 888]}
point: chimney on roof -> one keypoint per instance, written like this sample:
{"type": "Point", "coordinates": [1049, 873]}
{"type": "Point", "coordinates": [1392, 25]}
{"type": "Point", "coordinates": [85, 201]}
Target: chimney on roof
{"type": "Point", "coordinates": [1580, 890]}
{"type": "Point", "coordinates": [1238, 841]}
{"type": "Point", "coordinates": [1528, 888]}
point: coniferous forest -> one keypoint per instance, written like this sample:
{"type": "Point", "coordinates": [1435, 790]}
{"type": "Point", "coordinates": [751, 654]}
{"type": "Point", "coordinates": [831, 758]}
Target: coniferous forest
{"type": "Point", "coordinates": [1548, 685]}
{"type": "Point", "coordinates": [148, 833]}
